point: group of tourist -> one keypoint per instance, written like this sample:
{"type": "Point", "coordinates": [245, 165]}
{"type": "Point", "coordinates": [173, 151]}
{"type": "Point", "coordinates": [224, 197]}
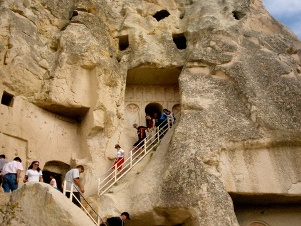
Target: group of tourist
{"type": "Point", "coordinates": [10, 173]}
{"type": "Point", "coordinates": [157, 120]}
{"type": "Point", "coordinates": [165, 121]}
{"type": "Point", "coordinates": [152, 123]}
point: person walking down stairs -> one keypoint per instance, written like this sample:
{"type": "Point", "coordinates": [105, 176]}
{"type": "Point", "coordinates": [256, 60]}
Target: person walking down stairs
{"type": "Point", "coordinates": [117, 221]}
{"type": "Point", "coordinates": [141, 132]}
{"type": "Point", "coordinates": [72, 179]}
{"type": "Point", "coordinates": [119, 158]}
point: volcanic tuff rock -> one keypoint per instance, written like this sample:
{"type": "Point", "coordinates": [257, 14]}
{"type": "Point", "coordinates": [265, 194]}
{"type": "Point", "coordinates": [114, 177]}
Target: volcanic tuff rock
{"type": "Point", "coordinates": [70, 66]}
{"type": "Point", "coordinates": [39, 203]}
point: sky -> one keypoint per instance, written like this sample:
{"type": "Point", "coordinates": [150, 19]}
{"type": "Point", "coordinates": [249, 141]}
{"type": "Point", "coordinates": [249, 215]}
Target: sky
{"type": "Point", "coordinates": [287, 12]}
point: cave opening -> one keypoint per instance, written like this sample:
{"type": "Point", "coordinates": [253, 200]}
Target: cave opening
{"type": "Point", "coordinates": [123, 42]}
{"type": "Point", "coordinates": [238, 15]}
{"type": "Point", "coordinates": [266, 209]}
{"type": "Point", "coordinates": [160, 15]}
{"type": "Point", "coordinates": [180, 40]}
{"type": "Point", "coordinates": [56, 168]}
{"type": "Point", "coordinates": [7, 99]}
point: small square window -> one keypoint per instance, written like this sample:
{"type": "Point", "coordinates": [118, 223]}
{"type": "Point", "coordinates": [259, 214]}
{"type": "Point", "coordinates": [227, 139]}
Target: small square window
{"type": "Point", "coordinates": [7, 99]}
{"type": "Point", "coordinates": [123, 42]}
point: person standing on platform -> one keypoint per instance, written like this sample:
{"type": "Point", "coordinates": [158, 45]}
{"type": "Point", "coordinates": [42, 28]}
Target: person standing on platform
{"type": "Point", "coordinates": [34, 173]}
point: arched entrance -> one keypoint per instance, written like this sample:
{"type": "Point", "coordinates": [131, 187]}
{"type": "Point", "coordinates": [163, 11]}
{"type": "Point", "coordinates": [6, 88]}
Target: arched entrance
{"type": "Point", "coordinates": [148, 91]}
{"type": "Point", "coordinates": [258, 223]}
{"type": "Point", "coordinates": [153, 108]}
{"type": "Point", "coordinates": [56, 168]}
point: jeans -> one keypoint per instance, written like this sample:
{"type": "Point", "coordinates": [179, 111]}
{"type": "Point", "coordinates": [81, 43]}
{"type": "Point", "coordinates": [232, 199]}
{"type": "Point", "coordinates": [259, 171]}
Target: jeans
{"type": "Point", "coordinates": [10, 182]}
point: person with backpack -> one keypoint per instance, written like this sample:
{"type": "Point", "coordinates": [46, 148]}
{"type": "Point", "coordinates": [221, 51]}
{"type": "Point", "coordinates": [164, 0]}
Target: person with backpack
{"type": "Point", "coordinates": [141, 132]}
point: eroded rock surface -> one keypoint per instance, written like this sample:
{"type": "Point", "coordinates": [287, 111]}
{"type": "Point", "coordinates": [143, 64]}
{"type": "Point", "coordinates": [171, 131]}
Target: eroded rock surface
{"type": "Point", "coordinates": [39, 203]}
{"type": "Point", "coordinates": [81, 72]}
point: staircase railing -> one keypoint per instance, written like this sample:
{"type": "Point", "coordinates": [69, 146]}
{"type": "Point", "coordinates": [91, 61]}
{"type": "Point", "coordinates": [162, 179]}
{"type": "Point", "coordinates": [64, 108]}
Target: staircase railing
{"type": "Point", "coordinates": [108, 179]}
{"type": "Point", "coordinates": [72, 196]}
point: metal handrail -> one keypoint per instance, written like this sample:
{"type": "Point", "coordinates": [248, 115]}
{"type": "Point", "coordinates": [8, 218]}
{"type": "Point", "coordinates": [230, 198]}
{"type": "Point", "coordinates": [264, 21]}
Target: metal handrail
{"type": "Point", "coordinates": [133, 157]}
{"type": "Point", "coordinates": [73, 196]}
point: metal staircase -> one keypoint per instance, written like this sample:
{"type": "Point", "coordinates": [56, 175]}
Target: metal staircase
{"type": "Point", "coordinates": [107, 180]}
{"type": "Point", "coordinates": [97, 221]}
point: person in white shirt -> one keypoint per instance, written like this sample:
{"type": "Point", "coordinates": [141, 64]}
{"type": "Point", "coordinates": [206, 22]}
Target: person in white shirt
{"type": "Point", "coordinates": [53, 181]}
{"type": "Point", "coordinates": [170, 117]}
{"type": "Point", "coordinates": [119, 158]}
{"type": "Point", "coordinates": [11, 173]}
{"type": "Point", "coordinates": [72, 180]}
{"type": "Point", "coordinates": [33, 173]}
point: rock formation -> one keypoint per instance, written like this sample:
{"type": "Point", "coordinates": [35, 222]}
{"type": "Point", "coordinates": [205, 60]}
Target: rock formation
{"type": "Point", "coordinates": [41, 204]}
{"type": "Point", "coordinates": [77, 74]}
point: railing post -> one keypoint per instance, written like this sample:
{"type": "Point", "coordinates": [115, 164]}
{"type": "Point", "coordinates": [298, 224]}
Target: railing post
{"type": "Point", "coordinates": [98, 186]}
{"type": "Point", "coordinates": [80, 202]}
{"type": "Point", "coordinates": [115, 172]}
{"type": "Point", "coordinates": [71, 192]}
{"type": "Point", "coordinates": [64, 188]}
{"type": "Point", "coordinates": [170, 122]}
{"type": "Point", "coordinates": [144, 141]}
{"type": "Point", "coordinates": [131, 159]}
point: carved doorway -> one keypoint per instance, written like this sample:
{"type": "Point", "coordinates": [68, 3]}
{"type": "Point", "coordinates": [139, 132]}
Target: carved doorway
{"type": "Point", "coordinates": [56, 168]}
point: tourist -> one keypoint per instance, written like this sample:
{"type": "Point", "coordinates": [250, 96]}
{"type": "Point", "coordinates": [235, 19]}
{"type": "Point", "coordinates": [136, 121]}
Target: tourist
{"type": "Point", "coordinates": [170, 117]}
{"type": "Point", "coordinates": [163, 125]}
{"type": "Point", "coordinates": [151, 128]}
{"type": "Point", "coordinates": [141, 132]}
{"type": "Point", "coordinates": [119, 159]}
{"type": "Point", "coordinates": [117, 221]}
{"type": "Point", "coordinates": [150, 122]}
{"type": "Point", "coordinates": [3, 161]}
{"type": "Point", "coordinates": [33, 173]}
{"type": "Point", "coordinates": [72, 179]}
{"type": "Point", "coordinates": [11, 173]}
{"type": "Point", "coordinates": [53, 181]}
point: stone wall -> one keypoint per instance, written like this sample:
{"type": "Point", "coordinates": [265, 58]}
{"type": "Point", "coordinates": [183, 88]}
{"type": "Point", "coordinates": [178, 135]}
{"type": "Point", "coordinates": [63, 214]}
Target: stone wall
{"type": "Point", "coordinates": [70, 67]}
